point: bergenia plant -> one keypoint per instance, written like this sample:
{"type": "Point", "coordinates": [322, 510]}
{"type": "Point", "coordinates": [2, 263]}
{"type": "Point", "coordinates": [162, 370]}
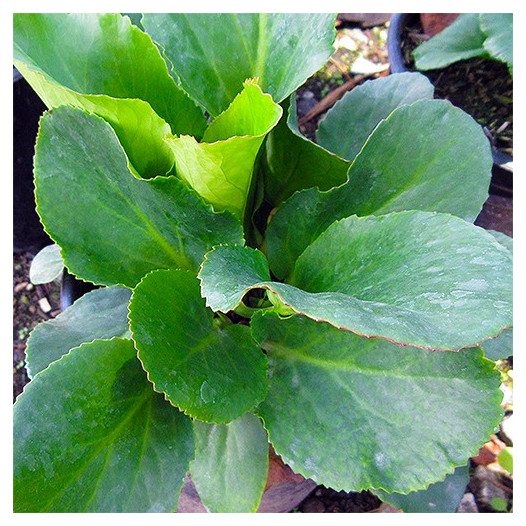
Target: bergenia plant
{"type": "Point", "coordinates": [254, 287]}
{"type": "Point", "coordinates": [487, 35]}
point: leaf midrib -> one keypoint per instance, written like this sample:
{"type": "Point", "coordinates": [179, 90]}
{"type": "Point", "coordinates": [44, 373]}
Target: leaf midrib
{"type": "Point", "coordinates": [296, 355]}
{"type": "Point", "coordinates": [108, 442]}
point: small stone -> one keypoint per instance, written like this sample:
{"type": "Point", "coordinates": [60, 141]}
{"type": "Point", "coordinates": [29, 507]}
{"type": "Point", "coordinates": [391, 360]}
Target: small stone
{"type": "Point", "coordinates": [468, 504]}
{"type": "Point", "coordinates": [44, 305]}
{"type": "Point", "coordinates": [19, 287]}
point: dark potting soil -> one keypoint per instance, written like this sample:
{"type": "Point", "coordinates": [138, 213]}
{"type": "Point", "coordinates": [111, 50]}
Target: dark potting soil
{"type": "Point", "coordinates": [32, 304]}
{"type": "Point", "coordinates": [480, 86]}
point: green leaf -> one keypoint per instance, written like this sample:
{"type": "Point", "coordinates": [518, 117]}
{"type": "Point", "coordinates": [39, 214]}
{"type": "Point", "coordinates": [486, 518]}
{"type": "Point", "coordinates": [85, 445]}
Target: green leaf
{"type": "Point", "coordinates": [348, 124]}
{"type": "Point", "coordinates": [229, 272]}
{"type": "Point", "coordinates": [46, 266]}
{"type": "Point", "coordinates": [503, 239]}
{"type": "Point", "coordinates": [231, 464]}
{"type": "Point", "coordinates": [501, 347]}
{"type": "Point", "coordinates": [90, 435]}
{"type": "Point", "coordinates": [281, 49]}
{"type": "Point", "coordinates": [505, 459]}
{"type": "Point", "coordinates": [416, 278]}
{"type": "Point", "coordinates": [498, 28]}
{"type": "Point", "coordinates": [354, 413]}
{"type": "Point", "coordinates": [413, 160]}
{"type": "Point", "coordinates": [441, 497]}
{"type": "Point", "coordinates": [105, 65]}
{"type": "Point", "coordinates": [220, 169]}
{"type": "Point", "coordinates": [114, 228]}
{"type": "Point", "coordinates": [212, 373]}
{"type": "Point", "coordinates": [290, 162]}
{"type": "Point", "coordinates": [461, 40]}
{"type": "Point", "coordinates": [99, 314]}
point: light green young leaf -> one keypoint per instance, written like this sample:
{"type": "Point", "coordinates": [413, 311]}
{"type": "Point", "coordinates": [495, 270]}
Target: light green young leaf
{"type": "Point", "coordinates": [340, 407]}
{"type": "Point", "coordinates": [46, 266]}
{"type": "Point", "coordinates": [461, 40]}
{"type": "Point", "coordinates": [105, 65]}
{"type": "Point", "coordinates": [505, 459]}
{"type": "Point", "coordinates": [415, 278]}
{"type": "Point", "coordinates": [498, 28]}
{"type": "Point", "coordinates": [91, 435]}
{"type": "Point", "coordinates": [117, 227]}
{"type": "Point", "coordinates": [231, 464]}
{"type": "Point", "coordinates": [99, 314]}
{"type": "Point", "coordinates": [281, 49]}
{"type": "Point", "coordinates": [440, 497]}
{"type": "Point", "coordinates": [348, 124]}
{"type": "Point", "coordinates": [221, 168]}
{"type": "Point", "coordinates": [290, 162]}
{"type": "Point", "coordinates": [213, 373]}
{"type": "Point", "coordinates": [414, 160]}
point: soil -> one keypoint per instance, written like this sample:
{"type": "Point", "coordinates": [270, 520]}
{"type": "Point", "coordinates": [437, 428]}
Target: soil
{"type": "Point", "coordinates": [32, 304]}
{"type": "Point", "coordinates": [481, 87]}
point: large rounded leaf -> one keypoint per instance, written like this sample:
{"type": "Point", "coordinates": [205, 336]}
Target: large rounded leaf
{"type": "Point", "coordinates": [112, 227]}
{"type": "Point", "coordinates": [231, 464]}
{"type": "Point", "coordinates": [348, 124]}
{"type": "Point", "coordinates": [214, 53]}
{"type": "Point", "coordinates": [213, 373]}
{"type": "Point", "coordinates": [426, 156]}
{"type": "Point", "coordinates": [91, 435]}
{"type": "Point", "coordinates": [355, 413]}
{"type": "Point", "coordinates": [416, 278]}
{"type": "Point", "coordinates": [105, 65]}
{"type": "Point", "coordinates": [99, 314]}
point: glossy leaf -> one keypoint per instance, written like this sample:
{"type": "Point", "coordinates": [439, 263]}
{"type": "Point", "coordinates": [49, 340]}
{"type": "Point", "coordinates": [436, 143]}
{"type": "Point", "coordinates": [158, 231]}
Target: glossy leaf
{"type": "Point", "coordinates": [348, 124]}
{"type": "Point", "coordinates": [340, 408]}
{"type": "Point", "coordinates": [99, 314]}
{"type": "Point", "coordinates": [290, 162]}
{"type": "Point", "coordinates": [500, 347]}
{"type": "Point", "coordinates": [212, 373]}
{"type": "Point", "coordinates": [416, 278]}
{"type": "Point", "coordinates": [91, 435]}
{"type": "Point", "coordinates": [441, 497]}
{"type": "Point", "coordinates": [498, 28]}
{"type": "Point", "coordinates": [413, 160]}
{"type": "Point", "coordinates": [109, 67]}
{"type": "Point", "coordinates": [117, 227]}
{"type": "Point", "coordinates": [231, 464]}
{"type": "Point", "coordinates": [281, 49]}
{"type": "Point", "coordinates": [461, 40]}
{"type": "Point", "coordinates": [47, 265]}
{"type": "Point", "coordinates": [503, 239]}
{"type": "Point", "coordinates": [220, 169]}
